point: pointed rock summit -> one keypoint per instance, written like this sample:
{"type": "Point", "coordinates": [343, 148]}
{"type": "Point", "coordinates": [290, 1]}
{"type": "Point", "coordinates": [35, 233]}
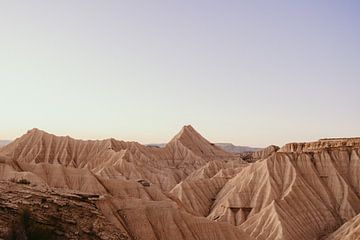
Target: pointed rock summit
{"type": "Point", "coordinates": [193, 140]}
{"type": "Point", "coordinates": [188, 132]}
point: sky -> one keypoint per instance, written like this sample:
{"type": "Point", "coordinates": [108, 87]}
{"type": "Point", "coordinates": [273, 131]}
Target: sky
{"type": "Point", "coordinates": [248, 72]}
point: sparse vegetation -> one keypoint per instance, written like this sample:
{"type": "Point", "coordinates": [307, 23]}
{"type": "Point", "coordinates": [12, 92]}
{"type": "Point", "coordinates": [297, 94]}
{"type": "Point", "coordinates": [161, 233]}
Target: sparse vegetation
{"type": "Point", "coordinates": [144, 182]}
{"type": "Point", "coordinates": [23, 181]}
{"type": "Point", "coordinates": [20, 181]}
{"type": "Point", "coordinates": [25, 227]}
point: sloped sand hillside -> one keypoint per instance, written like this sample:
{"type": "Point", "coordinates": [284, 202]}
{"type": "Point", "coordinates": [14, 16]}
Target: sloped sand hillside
{"type": "Point", "coordinates": [188, 189]}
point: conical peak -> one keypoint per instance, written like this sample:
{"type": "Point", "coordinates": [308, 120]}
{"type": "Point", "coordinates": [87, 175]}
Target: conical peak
{"type": "Point", "coordinates": [188, 128]}
{"type": "Point", "coordinates": [195, 142]}
{"type": "Point", "coordinates": [36, 131]}
{"type": "Point", "coordinates": [187, 131]}
{"type": "Point", "coordinates": [33, 130]}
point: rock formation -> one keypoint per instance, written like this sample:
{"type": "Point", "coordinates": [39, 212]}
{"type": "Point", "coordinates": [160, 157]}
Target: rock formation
{"type": "Point", "coordinates": [187, 189]}
{"type": "Point", "coordinates": [349, 231]}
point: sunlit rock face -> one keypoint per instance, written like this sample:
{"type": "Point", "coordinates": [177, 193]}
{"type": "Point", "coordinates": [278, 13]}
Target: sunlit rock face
{"type": "Point", "coordinates": [189, 188]}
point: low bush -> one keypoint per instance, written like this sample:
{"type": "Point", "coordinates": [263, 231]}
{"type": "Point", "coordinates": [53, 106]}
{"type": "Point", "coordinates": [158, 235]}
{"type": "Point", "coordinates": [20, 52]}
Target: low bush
{"type": "Point", "coordinates": [23, 181]}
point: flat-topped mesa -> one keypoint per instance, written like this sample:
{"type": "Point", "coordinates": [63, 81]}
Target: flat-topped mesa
{"type": "Point", "coordinates": [191, 139]}
{"type": "Point", "coordinates": [321, 145]}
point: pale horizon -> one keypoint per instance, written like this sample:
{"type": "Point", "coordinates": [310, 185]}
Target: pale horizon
{"type": "Point", "coordinates": [139, 71]}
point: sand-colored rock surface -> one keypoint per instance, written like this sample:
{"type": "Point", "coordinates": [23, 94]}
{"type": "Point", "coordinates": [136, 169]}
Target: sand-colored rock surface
{"type": "Point", "coordinates": [321, 145]}
{"type": "Point", "coordinates": [349, 231]}
{"type": "Point", "coordinates": [67, 216]}
{"type": "Point", "coordinates": [111, 158]}
{"type": "Point", "coordinates": [192, 189]}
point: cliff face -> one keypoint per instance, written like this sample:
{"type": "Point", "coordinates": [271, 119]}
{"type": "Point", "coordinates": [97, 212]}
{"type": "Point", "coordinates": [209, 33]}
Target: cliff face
{"type": "Point", "coordinates": [189, 189]}
{"type": "Point", "coordinates": [321, 145]}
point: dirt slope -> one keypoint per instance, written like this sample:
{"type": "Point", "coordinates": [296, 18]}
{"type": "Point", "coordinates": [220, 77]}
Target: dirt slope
{"type": "Point", "coordinates": [190, 188]}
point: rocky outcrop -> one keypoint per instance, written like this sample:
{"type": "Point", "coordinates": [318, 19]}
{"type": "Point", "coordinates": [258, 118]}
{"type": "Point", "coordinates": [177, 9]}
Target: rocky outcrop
{"type": "Point", "coordinates": [321, 145]}
{"type": "Point", "coordinates": [64, 215]}
{"type": "Point", "coordinates": [264, 153]}
{"type": "Point", "coordinates": [259, 154]}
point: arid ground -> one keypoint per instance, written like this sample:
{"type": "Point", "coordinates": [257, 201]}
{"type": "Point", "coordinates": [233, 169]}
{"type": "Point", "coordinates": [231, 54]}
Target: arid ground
{"type": "Point", "coordinates": [56, 187]}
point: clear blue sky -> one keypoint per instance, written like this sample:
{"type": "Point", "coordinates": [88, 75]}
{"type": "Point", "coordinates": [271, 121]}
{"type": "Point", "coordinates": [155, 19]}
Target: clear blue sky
{"type": "Point", "coordinates": [247, 72]}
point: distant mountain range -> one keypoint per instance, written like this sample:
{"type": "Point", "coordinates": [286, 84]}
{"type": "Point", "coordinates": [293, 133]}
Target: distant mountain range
{"type": "Point", "coordinates": [229, 147]}
{"type": "Point", "coordinates": [4, 142]}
